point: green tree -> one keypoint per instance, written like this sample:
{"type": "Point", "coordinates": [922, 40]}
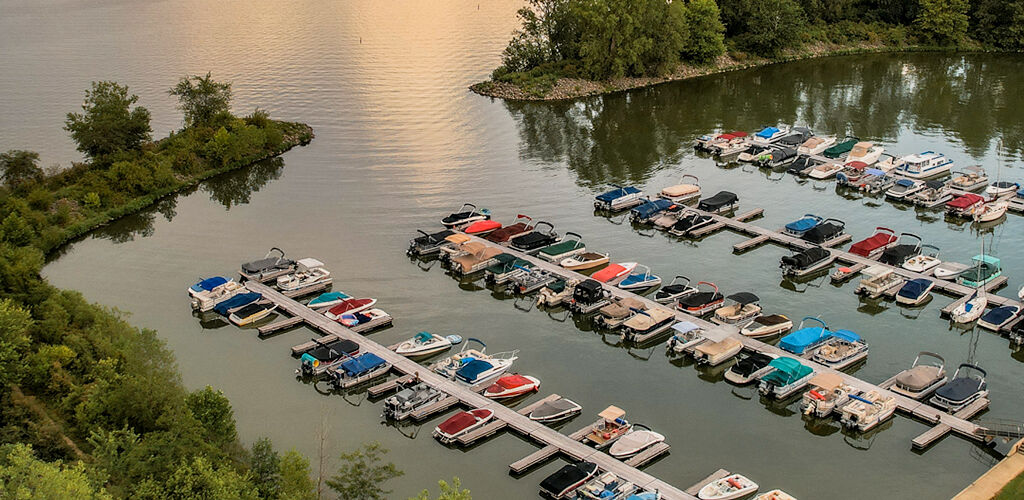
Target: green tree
{"type": "Point", "coordinates": [453, 491]}
{"type": "Point", "coordinates": [707, 33]}
{"type": "Point", "coordinates": [201, 99]}
{"type": "Point", "coordinates": [213, 410]}
{"type": "Point", "coordinates": [630, 37]}
{"type": "Point", "coordinates": [362, 474]}
{"type": "Point", "coordinates": [999, 23]}
{"type": "Point", "coordinates": [23, 476]}
{"type": "Point", "coordinates": [295, 481]}
{"type": "Point", "coordinates": [108, 123]}
{"type": "Point", "coordinates": [198, 479]}
{"type": "Point", "coordinates": [265, 467]}
{"type": "Point", "coordinates": [14, 327]}
{"type": "Point", "coordinates": [943, 22]}
{"type": "Point", "coordinates": [771, 26]}
{"type": "Point", "coordinates": [20, 168]}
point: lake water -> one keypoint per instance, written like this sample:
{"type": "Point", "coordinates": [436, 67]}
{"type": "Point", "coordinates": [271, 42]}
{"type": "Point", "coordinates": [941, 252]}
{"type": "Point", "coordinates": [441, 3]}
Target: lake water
{"type": "Point", "coordinates": [401, 142]}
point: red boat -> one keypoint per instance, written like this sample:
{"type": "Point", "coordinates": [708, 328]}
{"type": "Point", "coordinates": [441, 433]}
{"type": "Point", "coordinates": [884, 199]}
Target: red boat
{"type": "Point", "coordinates": [875, 244]}
{"type": "Point", "coordinates": [614, 273]}
{"type": "Point", "coordinates": [349, 306]}
{"type": "Point", "coordinates": [462, 423]}
{"type": "Point", "coordinates": [964, 204]}
{"type": "Point", "coordinates": [482, 227]}
{"type": "Point", "coordinates": [511, 386]}
{"type": "Point", "coordinates": [516, 228]}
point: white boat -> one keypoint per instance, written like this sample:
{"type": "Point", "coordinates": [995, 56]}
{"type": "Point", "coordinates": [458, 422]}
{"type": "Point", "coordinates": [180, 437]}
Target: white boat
{"type": "Point", "coordinates": [816, 145]}
{"type": "Point", "coordinates": [640, 279]}
{"type": "Point", "coordinates": [865, 152]}
{"type": "Point", "coordinates": [1001, 188]}
{"type": "Point", "coordinates": [422, 344]}
{"type": "Point", "coordinates": [744, 306]}
{"type": "Point", "coordinates": [678, 288]}
{"type": "Point", "coordinates": [767, 326]}
{"type": "Point", "coordinates": [206, 300]}
{"type": "Point", "coordinates": [922, 378]}
{"type": "Point", "coordinates": [970, 179]}
{"type": "Point", "coordinates": [727, 488]}
{"type": "Point", "coordinates": [685, 337]}
{"type": "Point", "coordinates": [866, 411]}
{"type": "Point", "coordinates": [207, 284]}
{"type": "Point", "coordinates": [749, 368]}
{"type": "Point", "coordinates": [990, 211]}
{"type": "Point", "coordinates": [584, 261]}
{"type": "Point", "coordinates": [825, 170]}
{"type": "Point", "coordinates": [915, 292]}
{"type": "Point", "coordinates": [950, 270]}
{"type": "Point", "coordinates": [716, 353]}
{"type": "Point", "coordinates": [828, 393]}
{"type": "Point", "coordinates": [972, 309]}
{"type": "Point", "coordinates": [462, 423]}
{"type": "Point", "coordinates": [904, 188]}
{"type": "Point", "coordinates": [609, 486]}
{"type": "Point", "coordinates": [308, 272]}
{"type": "Point", "coordinates": [682, 191]}
{"type": "Point", "coordinates": [553, 411]}
{"type": "Point", "coordinates": [924, 261]}
{"type": "Point", "coordinates": [327, 299]}
{"type": "Point", "coordinates": [769, 135]}
{"type": "Point", "coordinates": [252, 313]}
{"type": "Point", "coordinates": [998, 317]}
{"type": "Point", "coordinates": [878, 281]}
{"type": "Point", "coordinates": [841, 350]}
{"type": "Point", "coordinates": [923, 165]}
{"type": "Point", "coordinates": [479, 371]}
{"type": "Point", "coordinates": [775, 495]}
{"type": "Point", "coordinates": [638, 439]}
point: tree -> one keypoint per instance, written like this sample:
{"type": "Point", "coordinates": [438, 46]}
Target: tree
{"type": "Point", "coordinates": [213, 410]}
{"type": "Point", "coordinates": [295, 481]}
{"type": "Point", "coordinates": [108, 124]}
{"type": "Point", "coordinates": [20, 168]}
{"type": "Point", "coordinates": [198, 479]}
{"type": "Point", "coordinates": [943, 22]}
{"type": "Point", "coordinates": [452, 491]}
{"type": "Point", "coordinates": [22, 475]}
{"type": "Point", "coordinates": [265, 467]}
{"type": "Point", "coordinates": [363, 472]}
{"type": "Point", "coordinates": [998, 22]}
{"type": "Point", "coordinates": [630, 37]}
{"type": "Point", "coordinates": [707, 33]}
{"type": "Point", "coordinates": [14, 325]}
{"type": "Point", "coordinates": [201, 99]}
{"type": "Point", "coordinates": [771, 26]}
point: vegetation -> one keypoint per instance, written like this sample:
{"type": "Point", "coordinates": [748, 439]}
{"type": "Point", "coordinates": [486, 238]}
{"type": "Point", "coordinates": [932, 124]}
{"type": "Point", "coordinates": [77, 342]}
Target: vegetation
{"type": "Point", "coordinates": [1013, 489]}
{"type": "Point", "coordinates": [453, 491]}
{"type": "Point", "coordinates": [362, 474]}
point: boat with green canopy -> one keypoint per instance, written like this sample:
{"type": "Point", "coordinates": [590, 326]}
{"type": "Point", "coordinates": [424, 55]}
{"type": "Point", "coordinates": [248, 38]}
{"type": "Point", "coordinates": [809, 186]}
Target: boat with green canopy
{"type": "Point", "coordinates": [505, 268]}
{"type": "Point", "coordinates": [841, 148]}
{"type": "Point", "coordinates": [570, 246]}
{"type": "Point", "coordinates": [786, 377]}
{"type": "Point", "coordinates": [985, 269]}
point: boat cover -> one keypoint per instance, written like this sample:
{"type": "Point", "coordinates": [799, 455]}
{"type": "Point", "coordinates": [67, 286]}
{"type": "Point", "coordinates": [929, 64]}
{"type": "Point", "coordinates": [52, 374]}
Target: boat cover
{"type": "Point", "coordinates": [875, 172]}
{"type": "Point", "coordinates": [649, 319]}
{"type": "Point", "coordinates": [210, 283]}
{"type": "Point", "coordinates": [717, 348]}
{"type": "Point", "coordinates": [608, 273]}
{"type": "Point", "coordinates": [258, 266]}
{"type": "Point", "coordinates": [511, 382]}
{"type": "Point", "coordinates": [787, 370]}
{"type": "Point", "coordinates": [432, 239]}
{"type": "Point", "coordinates": [588, 291]}
{"type": "Point", "coordinates": [1000, 315]}
{"type": "Point", "coordinates": [690, 221]}
{"type": "Point", "coordinates": [964, 201]}
{"type": "Point", "coordinates": [621, 308]}
{"type": "Point", "coordinates": [804, 223]}
{"type": "Point", "coordinates": [468, 261]}
{"type": "Point", "coordinates": [637, 279]}
{"type": "Point", "coordinates": [481, 226]}
{"type": "Point", "coordinates": [251, 309]}
{"type": "Point", "coordinates": [824, 231]}
{"type": "Point", "coordinates": [423, 337]}
{"type": "Point", "coordinates": [685, 327]}
{"type": "Point", "coordinates": [459, 216]}
{"type": "Point", "coordinates": [552, 408]}
{"type": "Point", "coordinates": [328, 297]}
{"type": "Point", "coordinates": [872, 243]}
{"type": "Point", "coordinates": [752, 363]}
{"type": "Point", "coordinates": [744, 298]}
{"type": "Point", "coordinates": [960, 389]}
{"type": "Point", "coordinates": [567, 476]}
{"type": "Point", "coordinates": [365, 363]}
{"type": "Point", "coordinates": [768, 132]}
{"type": "Point", "coordinates": [782, 154]}
{"type": "Point", "coordinates": [798, 341]}
{"type": "Point", "coordinates": [915, 288]}
{"type": "Point", "coordinates": [806, 258]}
{"type": "Point", "coordinates": [840, 149]}
{"type": "Point", "coordinates": [457, 422]}
{"type": "Point", "coordinates": [309, 263]}
{"type": "Point", "coordinates": [774, 319]}
{"type": "Point", "coordinates": [827, 381]}
{"type": "Point", "coordinates": [470, 371]}
{"type": "Point", "coordinates": [813, 142]}
{"type": "Point", "coordinates": [535, 239]}
{"type": "Point", "coordinates": [617, 193]}
{"type": "Point", "coordinates": [502, 235]}
{"type": "Point", "coordinates": [333, 350]}
{"type": "Point", "coordinates": [906, 183]}
{"type": "Point", "coordinates": [348, 305]}
{"type": "Point", "coordinates": [652, 207]}
{"type": "Point", "coordinates": [236, 301]}
{"type": "Point", "coordinates": [562, 247]}
{"type": "Point", "coordinates": [919, 377]}
{"type": "Point", "coordinates": [699, 299]}
{"type": "Point", "coordinates": [898, 254]}
{"type": "Point", "coordinates": [717, 201]}
{"type": "Point", "coordinates": [680, 190]}
{"type": "Point", "coordinates": [1004, 185]}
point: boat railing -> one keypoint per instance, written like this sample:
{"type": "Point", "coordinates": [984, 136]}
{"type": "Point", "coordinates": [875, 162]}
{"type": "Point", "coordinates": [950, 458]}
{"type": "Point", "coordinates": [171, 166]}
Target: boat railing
{"type": "Point", "coordinates": [505, 355]}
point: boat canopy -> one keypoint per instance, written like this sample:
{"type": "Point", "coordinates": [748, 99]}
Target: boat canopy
{"type": "Point", "coordinates": [787, 370]}
{"type": "Point", "coordinates": [964, 201]}
{"type": "Point", "coordinates": [362, 364]}
{"type": "Point", "coordinates": [718, 348]}
{"type": "Point", "coordinates": [684, 327]}
{"type": "Point", "coordinates": [827, 381]}
{"type": "Point", "coordinates": [806, 258]}
{"type": "Point", "coordinates": [424, 337]}
{"type": "Point", "coordinates": [768, 132]}
{"type": "Point", "coordinates": [513, 381]}
{"type": "Point", "coordinates": [329, 297]}
{"type": "Point", "coordinates": [840, 148]}
{"type": "Point", "coordinates": [875, 172]}
{"type": "Point", "coordinates": [651, 207]}
{"type": "Point", "coordinates": [846, 335]}
{"type": "Point", "coordinates": [905, 183]}
{"type": "Point", "coordinates": [1000, 314]}
{"type": "Point", "coordinates": [211, 283]}
{"type": "Point", "coordinates": [612, 413]}
{"type": "Point", "coordinates": [457, 422]}
{"type": "Point", "coordinates": [987, 259]}
{"type": "Point", "coordinates": [719, 200]}
{"type": "Point", "coordinates": [308, 263]}
{"type": "Point", "coordinates": [236, 301]}
{"type": "Point", "coordinates": [804, 223]}
{"type": "Point", "coordinates": [617, 193]}
{"type": "Point", "coordinates": [744, 298]}
{"type": "Point", "coordinates": [470, 371]}
{"type": "Point", "coordinates": [915, 288]}
{"type": "Point", "coordinates": [935, 184]}
{"type": "Point", "coordinates": [803, 338]}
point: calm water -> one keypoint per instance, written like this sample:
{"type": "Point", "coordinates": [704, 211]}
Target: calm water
{"type": "Point", "coordinates": [400, 142]}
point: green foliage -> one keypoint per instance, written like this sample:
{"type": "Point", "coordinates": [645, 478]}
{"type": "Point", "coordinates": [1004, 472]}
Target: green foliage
{"type": "Point", "coordinates": [453, 491]}
{"type": "Point", "coordinates": [630, 37]}
{"type": "Point", "coordinates": [198, 479]}
{"type": "Point", "coordinates": [265, 467]}
{"type": "Point", "coordinates": [20, 168]}
{"type": "Point", "coordinates": [15, 323]}
{"type": "Point", "coordinates": [201, 99]}
{"type": "Point", "coordinates": [295, 481]}
{"type": "Point", "coordinates": [769, 26]}
{"type": "Point", "coordinates": [943, 22]}
{"type": "Point", "coordinates": [999, 23]}
{"type": "Point", "coordinates": [213, 410]}
{"type": "Point", "coordinates": [707, 33]}
{"type": "Point", "coordinates": [362, 474]}
{"type": "Point", "coordinates": [24, 476]}
{"type": "Point", "coordinates": [107, 123]}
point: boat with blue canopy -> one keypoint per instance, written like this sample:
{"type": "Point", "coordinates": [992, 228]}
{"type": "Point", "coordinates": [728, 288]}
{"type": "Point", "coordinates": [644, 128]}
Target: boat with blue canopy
{"type": "Point", "coordinates": [806, 339]}
{"type": "Point", "coordinates": [206, 285]}
{"type": "Point", "coordinates": [769, 135]}
{"type": "Point", "coordinates": [238, 301]}
{"type": "Point", "coordinates": [647, 211]}
{"type": "Point", "coordinates": [787, 376]}
{"type": "Point", "coordinates": [915, 291]}
{"type": "Point", "coordinates": [359, 369]}
{"type": "Point", "coordinates": [843, 349]}
{"type": "Point", "coordinates": [479, 371]}
{"type": "Point", "coordinates": [998, 317]}
{"type": "Point", "coordinates": [619, 198]}
{"type": "Point", "coordinates": [328, 299]}
{"type": "Point", "coordinates": [802, 225]}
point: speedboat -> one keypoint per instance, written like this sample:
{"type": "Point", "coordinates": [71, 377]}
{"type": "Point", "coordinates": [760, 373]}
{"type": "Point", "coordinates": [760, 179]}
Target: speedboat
{"type": "Point", "coordinates": [924, 261]}
{"type": "Point", "coordinates": [478, 260]}
{"type": "Point", "coordinates": [607, 486]}
{"type": "Point", "coordinates": [619, 198]}
{"type": "Point", "coordinates": [359, 369]}
{"type": "Point", "coordinates": [668, 218]}
{"type": "Point", "coordinates": [428, 243]}
{"type": "Point", "coordinates": [614, 273]}
{"type": "Point", "coordinates": [743, 307]}
{"type": "Point", "coordinates": [989, 212]}
{"type": "Point", "coordinates": [851, 174]}
{"type": "Point", "coordinates": [682, 191]}
{"type": "Point", "coordinates": [935, 193]}
{"type": "Point", "coordinates": [949, 270]}
{"type": "Point", "coordinates": [702, 302]}
{"type": "Point", "coordinates": [825, 231]}
{"type": "Point", "coordinates": [690, 222]}
{"type": "Point", "coordinates": [678, 288]}
{"type": "Point", "coordinates": [875, 181]}
{"type": "Point", "coordinates": [365, 320]}
{"type": "Point", "coordinates": [556, 293]}
{"type": "Point", "coordinates": [478, 371]}
{"type": "Point", "coordinates": [967, 385]}
{"type": "Point", "coordinates": [553, 411]}
{"type": "Point", "coordinates": [841, 148]}
{"type": "Point", "coordinates": [970, 310]}
{"type": "Point", "coordinates": [922, 378]}
{"type": "Point", "coordinates": [640, 279]}
{"type": "Point", "coordinates": [226, 307]}
{"type": "Point", "coordinates": [536, 239]}
{"type": "Point", "coordinates": [482, 227]}
{"type": "Point", "coordinates": [252, 313]}
{"type": "Point", "coordinates": [462, 423]}
{"type": "Point", "coordinates": [749, 368]}
{"type": "Point", "coordinates": [349, 306]}
{"type": "Point", "coordinates": [403, 404]}
{"type": "Point", "coordinates": [865, 411]}
{"type": "Point", "coordinates": [727, 488]}
{"type": "Point", "coordinates": [841, 350]}
{"type": "Point", "coordinates": [1001, 188]}
{"type": "Point", "coordinates": [584, 261]}
{"type": "Point", "coordinates": [685, 337]}
{"type": "Point", "coordinates": [915, 291]}
{"type": "Point", "coordinates": [571, 245]}
{"type": "Point", "coordinates": [964, 205]}
{"type": "Point", "coordinates": [716, 353]}
{"type": "Point", "coordinates": [767, 326]}
{"type": "Point", "coordinates": [567, 479]}
{"type": "Point", "coordinates": [206, 285]}
{"type": "Point", "coordinates": [865, 152]}
{"type": "Point", "coordinates": [875, 244]}
{"type": "Point", "coordinates": [638, 439]}
{"type": "Point", "coordinates": [806, 339]}
{"type": "Point", "coordinates": [308, 273]}
{"type": "Point", "coordinates": [208, 299]}
{"type": "Point", "coordinates": [521, 224]}
{"type": "Point", "coordinates": [828, 393]}
{"type": "Point", "coordinates": [786, 377]}
{"type": "Point", "coordinates": [970, 179]}
{"type": "Point", "coordinates": [802, 166]}
{"type": "Point", "coordinates": [511, 386]}
{"type": "Point", "coordinates": [769, 135]}
{"type": "Point", "coordinates": [588, 296]}
{"type": "Point", "coordinates": [466, 214]}
{"type": "Point", "coordinates": [878, 281]}
{"type": "Point", "coordinates": [985, 269]}
{"type": "Point", "coordinates": [271, 265]}
{"type": "Point", "coordinates": [327, 299]}
{"type": "Point", "coordinates": [903, 189]}
{"type": "Point", "coordinates": [923, 165]}
{"type": "Point", "coordinates": [710, 142]}
{"type": "Point", "coordinates": [645, 325]}
{"type": "Point", "coordinates": [802, 225]}
{"type": "Point", "coordinates": [423, 344]}
{"type": "Point", "coordinates": [618, 311]}
{"type": "Point", "coordinates": [806, 261]}
{"type": "Point", "coordinates": [723, 201]}
{"type": "Point", "coordinates": [775, 494]}
{"type": "Point", "coordinates": [816, 145]}
{"type": "Point", "coordinates": [776, 157]}
{"type": "Point", "coordinates": [796, 137]}
{"type": "Point", "coordinates": [326, 355]}
{"type": "Point", "coordinates": [908, 245]}
{"type": "Point", "coordinates": [998, 317]}
{"type": "Point", "coordinates": [611, 427]}
{"type": "Point", "coordinates": [649, 210]}
{"type": "Point", "coordinates": [825, 170]}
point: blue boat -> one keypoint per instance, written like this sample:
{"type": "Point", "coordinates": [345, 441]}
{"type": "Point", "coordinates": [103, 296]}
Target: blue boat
{"type": "Point", "coordinates": [802, 225]}
{"type": "Point", "coordinates": [768, 134]}
{"type": "Point", "coordinates": [843, 349]}
{"type": "Point", "coordinates": [650, 209]}
{"type": "Point", "coordinates": [359, 369]}
{"type": "Point", "coordinates": [804, 339]}
{"type": "Point", "coordinates": [619, 198]}
{"type": "Point", "coordinates": [997, 318]}
{"type": "Point", "coordinates": [328, 299]}
{"type": "Point", "coordinates": [237, 301]}
{"type": "Point", "coordinates": [207, 284]}
{"type": "Point", "coordinates": [914, 291]}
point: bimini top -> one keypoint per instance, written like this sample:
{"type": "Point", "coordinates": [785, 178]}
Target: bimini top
{"type": "Point", "coordinates": [362, 364]}
{"type": "Point", "coordinates": [612, 413]}
{"type": "Point", "coordinates": [905, 183]}
{"type": "Point", "coordinates": [914, 288]}
{"type": "Point", "coordinates": [733, 135]}
{"type": "Point", "coordinates": [787, 370]}
{"type": "Point", "coordinates": [423, 337]}
{"type": "Point", "coordinates": [210, 283]}
{"type": "Point", "coordinates": [308, 263]}
{"type": "Point", "coordinates": [684, 327]}
{"type": "Point", "coordinates": [617, 193]}
{"type": "Point", "coordinates": [236, 301]}
{"type": "Point", "coordinates": [846, 335]}
{"type": "Point", "coordinates": [987, 259]}
{"type": "Point", "coordinates": [768, 132]}
{"type": "Point", "coordinates": [804, 223]}
{"type": "Point", "coordinates": [875, 172]}
{"type": "Point", "coordinates": [744, 298]}
{"type": "Point", "coordinates": [827, 381]}
{"type": "Point", "coordinates": [470, 371]}
{"type": "Point", "coordinates": [798, 341]}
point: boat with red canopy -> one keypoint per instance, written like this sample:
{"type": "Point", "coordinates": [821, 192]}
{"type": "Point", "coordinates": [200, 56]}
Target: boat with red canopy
{"type": "Point", "coordinates": [519, 226]}
{"type": "Point", "coordinates": [482, 227]}
{"type": "Point", "coordinates": [462, 423]}
{"type": "Point", "coordinates": [875, 244]}
{"type": "Point", "coordinates": [963, 205]}
{"type": "Point", "coordinates": [349, 306]}
{"type": "Point", "coordinates": [511, 386]}
{"type": "Point", "coordinates": [614, 273]}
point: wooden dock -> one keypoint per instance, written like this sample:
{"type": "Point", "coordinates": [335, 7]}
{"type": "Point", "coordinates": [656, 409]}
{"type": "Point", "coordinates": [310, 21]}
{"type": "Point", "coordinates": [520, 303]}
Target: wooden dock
{"type": "Point", "coordinates": [279, 325]}
{"type": "Point", "coordinates": [388, 386]}
{"type": "Point", "coordinates": [308, 290]}
{"type": "Point", "coordinates": [497, 425]}
{"type": "Point", "coordinates": [547, 452]}
{"type": "Point", "coordinates": [715, 476]}
{"type": "Point", "coordinates": [718, 226]}
{"type": "Point", "coordinates": [930, 436]}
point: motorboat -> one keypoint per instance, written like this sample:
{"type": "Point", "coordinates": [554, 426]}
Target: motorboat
{"type": "Point", "coordinates": [874, 245]}
{"type": "Point", "coordinates": [614, 273]}
{"type": "Point", "coordinates": [828, 393]}
{"type": "Point", "coordinates": [462, 423]}
{"type": "Point", "coordinates": [640, 279]}
{"type": "Point", "coordinates": [800, 226]}
{"type": "Point", "coordinates": [796, 137]}
{"type": "Point", "coordinates": [326, 355]}
{"type": "Point", "coordinates": [428, 243]}
{"type": "Point", "coordinates": [308, 273]}
{"type": "Point", "coordinates": [967, 385]}
{"type": "Point", "coordinates": [805, 340]}
{"type": "Point", "coordinates": [876, 181]}
{"type": "Point", "coordinates": [206, 300]}
{"type": "Point", "coordinates": [802, 166]}
{"type": "Point", "coordinates": [922, 378]}
{"type": "Point", "coordinates": [908, 245]}
{"type": "Point", "coordinates": [702, 301]}
{"type": "Point", "coordinates": [349, 306]}
{"type": "Point", "coordinates": [752, 151]}
{"type": "Point", "coordinates": [865, 152]}
{"type": "Point", "coordinates": [511, 386]}
{"type": "Point", "coordinates": [841, 350]}
{"type": "Point", "coordinates": [825, 231]}
{"type": "Point", "coordinates": [466, 214]}
{"type": "Point", "coordinates": [776, 157]}
{"type": "Point", "coordinates": [520, 225]}
{"type": "Point", "coordinates": [685, 337]}
{"type": "Point", "coordinates": [816, 145]}
{"type": "Point", "coordinates": [935, 193]}
{"type": "Point", "coordinates": [996, 318]}
{"type": "Point", "coordinates": [410, 399]}
{"type": "Point", "coordinates": [806, 261]}
{"type": "Point", "coordinates": [851, 174]}
{"type": "Point", "coordinates": [925, 261]}
{"type": "Point", "coordinates": [482, 227]}
{"type": "Point", "coordinates": [359, 369]}
{"type": "Point", "coordinates": [775, 494]}
{"type": "Point", "coordinates": [743, 307]}
{"type": "Point", "coordinates": [865, 411]}
{"type": "Point", "coordinates": [970, 310]}
{"type": "Point", "coordinates": [618, 311]}
{"type": "Point", "coordinates": [271, 265]}
{"type": "Point", "coordinates": [619, 198]}
{"type": "Point", "coordinates": [423, 344]}
{"type": "Point", "coordinates": [716, 353]}
{"type": "Point", "coordinates": [571, 245]}
{"type": "Point", "coordinates": [723, 201]}
{"type": "Point", "coordinates": [647, 324]}
{"type": "Point", "coordinates": [678, 288]}
{"type": "Point", "coordinates": [365, 320]}
{"type": "Point", "coordinates": [878, 281]}
{"type": "Point", "coordinates": [226, 307]}
{"type": "Point", "coordinates": [638, 439]}
{"type": "Point", "coordinates": [542, 235]}
{"type": "Point", "coordinates": [666, 219]}
{"type": "Point", "coordinates": [554, 411]}
{"type": "Point", "coordinates": [915, 292]}
{"type": "Point", "coordinates": [650, 209]}
{"type": "Point", "coordinates": [690, 222]}
{"type": "Point", "coordinates": [841, 148]}
{"type": "Point", "coordinates": [607, 486]}
{"type": "Point", "coordinates": [1001, 188]}
{"type": "Point", "coordinates": [567, 479]}
{"type": "Point", "coordinates": [252, 313]}
{"type": "Point", "coordinates": [735, 145]}
{"type": "Point", "coordinates": [949, 270]}
{"type": "Point", "coordinates": [460, 244]}
{"type": "Point", "coordinates": [207, 284]}
{"type": "Point", "coordinates": [476, 261]}
{"type": "Point", "coordinates": [786, 377]}
{"type": "Point", "coordinates": [989, 212]}
{"type": "Point", "coordinates": [708, 142]}
{"type": "Point", "coordinates": [964, 205]}
{"type": "Point", "coordinates": [769, 135]}
{"type": "Point", "coordinates": [588, 296]}
{"type": "Point", "coordinates": [904, 188]}
{"type": "Point", "coordinates": [923, 165]}
{"type": "Point", "coordinates": [556, 293]}
{"type": "Point", "coordinates": [447, 367]}
{"type": "Point", "coordinates": [478, 371]}
{"type": "Point", "coordinates": [985, 268]}
{"type": "Point", "coordinates": [612, 426]}
{"type": "Point", "coordinates": [971, 179]}
{"type": "Point", "coordinates": [727, 488]}
{"type": "Point", "coordinates": [749, 368]}
{"type": "Point", "coordinates": [682, 191]}
{"type": "Point", "coordinates": [825, 170]}
{"type": "Point", "coordinates": [767, 326]}
{"type": "Point", "coordinates": [505, 267]}
{"type": "Point", "coordinates": [585, 261]}
{"type": "Point", "coordinates": [327, 299]}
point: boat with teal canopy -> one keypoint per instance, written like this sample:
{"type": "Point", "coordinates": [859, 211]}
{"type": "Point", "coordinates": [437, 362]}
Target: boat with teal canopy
{"type": "Point", "coordinates": [787, 376]}
{"type": "Point", "coordinates": [806, 338]}
{"type": "Point", "coordinates": [328, 299]}
{"type": "Point", "coordinates": [985, 269]}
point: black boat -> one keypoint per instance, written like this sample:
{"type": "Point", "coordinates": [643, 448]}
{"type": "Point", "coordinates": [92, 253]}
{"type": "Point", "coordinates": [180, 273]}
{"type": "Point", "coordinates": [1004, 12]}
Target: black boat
{"type": "Point", "coordinates": [776, 157]}
{"type": "Point", "coordinates": [269, 264]}
{"type": "Point", "coordinates": [897, 254]}
{"type": "Point", "coordinates": [464, 215]}
{"type": "Point", "coordinates": [677, 289]}
{"type": "Point", "coordinates": [702, 302]}
{"type": "Point", "coordinates": [826, 230]}
{"type": "Point", "coordinates": [327, 354]}
{"type": "Point", "coordinates": [796, 137]}
{"type": "Point", "coordinates": [748, 368]}
{"type": "Point", "coordinates": [428, 243]}
{"type": "Point", "coordinates": [689, 223]}
{"type": "Point", "coordinates": [536, 239]}
{"type": "Point", "coordinates": [801, 165]}
{"type": "Point", "coordinates": [567, 479]}
{"type": "Point", "coordinates": [805, 261]}
{"type": "Point", "coordinates": [968, 385]}
{"type": "Point", "coordinates": [588, 296]}
{"type": "Point", "coordinates": [720, 202]}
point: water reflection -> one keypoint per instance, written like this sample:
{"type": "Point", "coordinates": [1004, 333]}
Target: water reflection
{"type": "Point", "coordinates": [236, 188]}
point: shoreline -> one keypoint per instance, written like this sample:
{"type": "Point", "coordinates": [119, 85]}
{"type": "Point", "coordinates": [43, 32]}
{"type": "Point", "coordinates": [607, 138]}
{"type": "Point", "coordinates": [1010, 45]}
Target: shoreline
{"type": "Point", "coordinates": [575, 88]}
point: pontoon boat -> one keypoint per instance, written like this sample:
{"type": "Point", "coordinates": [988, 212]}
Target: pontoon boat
{"type": "Point", "coordinates": [645, 325]}
{"type": "Point", "coordinates": [428, 243]}
{"type": "Point", "coordinates": [618, 311]}
{"type": "Point", "coordinates": [476, 261]}
{"type": "Point", "coordinates": [619, 198]}
{"type": "Point", "coordinates": [571, 245]}
{"type": "Point", "coordinates": [922, 378]}
{"type": "Point", "coordinates": [678, 288]}
{"type": "Point", "coordinates": [727, 488]}
{"type": "Point", "coordinates": [806, 261]}
{"type": "Point", "coordinates": [724, 201]}
{"type": "Point", "coordinates": [749, 368]}
{"type": "Point", "coordinates": [744, 306]}
{"type": "Point", "coordinates": [588, 297]}
{"type": "Point", "coordinates": [685, 337]}
{"type": "Point", "coordinates": [767, 326]}
{"type": "Point", "coordinates": [866, 411]}
{"type": "Point", "coordinates": [535, 279]}
{"type": "Point", "coordinates": [649, 210]}
{"type": "Point", "coordinates": [308, 273]}
{"type": "Point", "coordinates": [682, 191]}
{"type": "Point", "coordinates": [924, 261]}
{"type": "Point", "coordinates": [967, 385]}
{"type": "Point", "coordinates": [665, 220]}
{"type": "Point", "coordinates": [828, 393]}
{"type": "Point", "coordinates": [775, 494]}
{"type": "Point", "coordinates": [972, 178]}
{"type": "Point", "coordinates": [359, 369]}
{"type": "Point", "coordinates": [326, 355]}
{"type": "Point", "coordinates": [703, 301]}
{"type": "Point", "coordinates": [206, 285]}
{"type": "Point", "coordinates": [825, 231]}
{"type": "Point", "coordinates": [511, 386]}
{"type": "Point", "coordinates": [556, 293]}
{"type": "Point", "coordinates": [464, 215]}
{"type": "Point", "coordinates": [908, 245]}
{"type": "Point", "coordinates": [716, 353]}
{"type": "Point", "coordinates": [878, 281]}
{"type": "Point", "coordinates": [915, 291]}
{"type": "Point", "coordinates": [269, 266]}
{"type": "Point", "coordinates": [786, 377]}
{"type": "Point", "coordinates": [800, 226]}
{"type": "Point", "coordinates": [805, 340]}
{"type": "Point", "coordinates": [536, 239]}
{"type": "Point", "coordinates": [206, 300]}
{"type": "Point", "coordinates": [735, 145]}
{"type": "Point", "coordinates": [506, 266]}
{"type": "Point", "coordinates": [462, 423]}
{"type": "Point", "coordinates": [816, 145]}
{"type": "Point", "coordinates": [607, 486]}
{"type": "Point", "coordinates": [408, 400]}
{"type": "Point", "coordinates": [842, 349]}
{"type": "Point", "coordinates": [612, 426]}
